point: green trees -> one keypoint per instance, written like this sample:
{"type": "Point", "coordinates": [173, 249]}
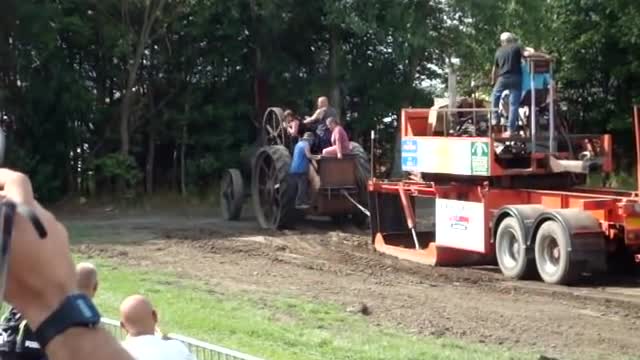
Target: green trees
{"type": "Point", "coordinates": [161, 95]}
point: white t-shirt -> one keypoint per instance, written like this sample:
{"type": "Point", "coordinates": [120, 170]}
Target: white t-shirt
{"type": "Point", "coordinates": [151, 347]}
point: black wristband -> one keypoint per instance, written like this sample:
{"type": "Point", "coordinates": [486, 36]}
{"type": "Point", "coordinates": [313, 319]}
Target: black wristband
{"type": "Point", "coordinates": [75, 311]}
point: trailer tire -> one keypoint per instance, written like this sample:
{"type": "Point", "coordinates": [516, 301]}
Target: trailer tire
{"type": "Point", "coordinates": [553, 258]}
{"type": "Point", "coordinates": [511, 250]}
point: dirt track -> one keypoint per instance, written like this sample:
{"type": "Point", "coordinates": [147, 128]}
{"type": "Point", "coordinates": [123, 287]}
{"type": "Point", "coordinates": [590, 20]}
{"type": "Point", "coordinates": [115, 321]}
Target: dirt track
{"type": "Point", "coordinates": [323, 263]}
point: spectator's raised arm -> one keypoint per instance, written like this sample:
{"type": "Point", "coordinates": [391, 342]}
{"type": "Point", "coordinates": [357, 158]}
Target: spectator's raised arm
{"type": "Point", "coordinates": [315, 117]}
{"type": "Point", "coordinates": [41, 277]}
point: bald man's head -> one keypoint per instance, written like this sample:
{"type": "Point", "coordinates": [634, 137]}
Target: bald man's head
{"type": "Point", "coordinates": [87, 277]}
{"type": "Point", "coordinates": [137, 316]}
{"type": "Point", "coordinates": [323, 102]}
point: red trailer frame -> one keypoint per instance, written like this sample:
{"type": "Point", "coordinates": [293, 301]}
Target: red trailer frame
{"type": "Point", "coordinates": [562, 232]}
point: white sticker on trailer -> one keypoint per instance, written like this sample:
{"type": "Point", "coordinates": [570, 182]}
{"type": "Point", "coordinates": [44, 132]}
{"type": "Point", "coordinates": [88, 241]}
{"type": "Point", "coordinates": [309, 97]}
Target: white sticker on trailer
{"type": "Point", "coordinates": [460, 225]}
{"type": "Point", "coordinates": [444, 155]}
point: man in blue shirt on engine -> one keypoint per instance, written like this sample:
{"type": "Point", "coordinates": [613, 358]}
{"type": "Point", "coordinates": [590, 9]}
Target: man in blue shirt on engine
{"type": "Point", "coordinates": [299, 169]}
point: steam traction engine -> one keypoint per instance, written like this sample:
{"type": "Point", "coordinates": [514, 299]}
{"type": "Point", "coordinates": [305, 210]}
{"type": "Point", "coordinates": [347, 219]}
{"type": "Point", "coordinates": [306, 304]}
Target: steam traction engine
{"type": "Point", "coordinates": [337, 185]}
{"type": "Point", "coordinates": [478, 198]}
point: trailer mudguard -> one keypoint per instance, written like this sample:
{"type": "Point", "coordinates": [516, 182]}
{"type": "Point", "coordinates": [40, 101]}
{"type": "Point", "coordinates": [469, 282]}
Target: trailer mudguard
{"type": "Point", "coordinates": [524, 214]}
{"type": "Point", "coordinates": [586, 238]}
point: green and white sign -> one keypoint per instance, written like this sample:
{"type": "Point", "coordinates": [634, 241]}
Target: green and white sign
{"type": "Point", "coordinates": [480, 158]}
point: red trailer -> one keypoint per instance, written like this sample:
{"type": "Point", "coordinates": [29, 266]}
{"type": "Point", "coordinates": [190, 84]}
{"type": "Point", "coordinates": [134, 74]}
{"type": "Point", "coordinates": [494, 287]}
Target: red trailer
{"type": "Point", "coordinates": [523, 203]}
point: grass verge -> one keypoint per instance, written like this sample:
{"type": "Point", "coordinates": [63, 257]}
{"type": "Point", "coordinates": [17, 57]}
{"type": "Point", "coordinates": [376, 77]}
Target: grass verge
{"type": "Point", "coordinates": [281, 328]}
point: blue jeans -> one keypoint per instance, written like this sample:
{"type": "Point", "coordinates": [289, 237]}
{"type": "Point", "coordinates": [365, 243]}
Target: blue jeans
{"type": "Point", "coordinates": [302, 188]}
{"type": "Point", "coordinates": [515, 93]}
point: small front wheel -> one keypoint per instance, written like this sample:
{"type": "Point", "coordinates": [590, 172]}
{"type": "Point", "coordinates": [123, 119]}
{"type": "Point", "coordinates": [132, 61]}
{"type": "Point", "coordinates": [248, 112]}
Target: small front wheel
{"type": "Point", "coordinates": [231, 194]}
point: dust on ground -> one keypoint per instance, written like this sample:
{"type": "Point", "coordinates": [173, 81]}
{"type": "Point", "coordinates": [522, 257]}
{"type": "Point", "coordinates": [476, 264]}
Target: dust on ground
{"type": "Point", "coordinates": [323, 263]}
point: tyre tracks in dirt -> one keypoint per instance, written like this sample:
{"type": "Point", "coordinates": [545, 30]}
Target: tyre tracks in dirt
{"type": "Point", "coordinates": [322, 263]}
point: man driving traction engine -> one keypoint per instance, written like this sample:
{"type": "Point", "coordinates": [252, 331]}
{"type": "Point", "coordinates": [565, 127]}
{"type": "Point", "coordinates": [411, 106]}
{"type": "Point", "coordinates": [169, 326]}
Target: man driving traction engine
{"type": "Point", "coordinates": [317, 123]}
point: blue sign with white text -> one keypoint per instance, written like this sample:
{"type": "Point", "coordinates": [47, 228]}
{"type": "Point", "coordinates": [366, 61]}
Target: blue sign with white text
{"type": "Point", "coordinates": [409, 146]}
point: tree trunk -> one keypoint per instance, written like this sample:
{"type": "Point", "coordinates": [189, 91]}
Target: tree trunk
{"type": "Point", "coordinates": [410, 75]}
{"type": "Point", "coordinates": [151, 154]}
{"type": "Point", "coordinates": [396, 165]}
{"type": "Point", "coordinates": [11, 104]}
{"type": "Point", "coordinates": [125, 107]}
{"type": "Point", "coordinates": [72, 172]}
{"type": "Point", "coordinates": [260, 83]}
{"type": "Point", "coordinates": [183, 149]}
{"type": "Point", "coordinates": [151, 141]}
{"type": "Point", "coordinates": [183, 146]}
{"type": "Point", "coordinates": [334, 53]}
{"type": "Point", "coordinates": [174, 167]}
{"type": "Point", "coordinates": [152, 10]}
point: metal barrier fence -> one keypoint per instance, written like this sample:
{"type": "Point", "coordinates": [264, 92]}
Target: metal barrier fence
{"type": "Point", "coordinates": [200, 349]}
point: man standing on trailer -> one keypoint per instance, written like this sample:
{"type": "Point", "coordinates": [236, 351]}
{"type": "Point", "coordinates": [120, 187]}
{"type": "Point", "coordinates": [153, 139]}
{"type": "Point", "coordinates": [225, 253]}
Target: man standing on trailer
{"type": "Point", "coordinates": [507, 75]}
{"type": "Point", "coordinates": [299, 169]}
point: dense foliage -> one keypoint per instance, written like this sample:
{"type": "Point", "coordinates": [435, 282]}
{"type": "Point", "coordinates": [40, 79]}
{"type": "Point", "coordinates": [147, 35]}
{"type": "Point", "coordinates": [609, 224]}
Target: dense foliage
{"type": "Point", "coordinates": [141, 95]}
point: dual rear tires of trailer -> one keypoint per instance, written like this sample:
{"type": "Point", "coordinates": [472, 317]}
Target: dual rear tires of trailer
{"type": "Point", "coordinates": [552, 255]}
{"type": "Point", "coordinates": [540, 243]}
{"type": "Point", "coordinates": [511, 250]}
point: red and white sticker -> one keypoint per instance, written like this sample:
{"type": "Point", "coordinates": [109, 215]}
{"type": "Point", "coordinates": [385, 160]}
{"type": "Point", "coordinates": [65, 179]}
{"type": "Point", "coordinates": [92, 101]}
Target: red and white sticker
{"type": "Point", "coordinates": [460, 225]}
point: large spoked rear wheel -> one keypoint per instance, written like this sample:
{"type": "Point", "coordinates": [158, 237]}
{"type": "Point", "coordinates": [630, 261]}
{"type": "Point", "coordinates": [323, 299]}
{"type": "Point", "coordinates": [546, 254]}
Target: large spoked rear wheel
{"type": "Point", "coordinates": [552, 255]}
{"type": "Point", "coordinates": [511, 250]}
{"type": "Point", "coordinates": [231, 194]}
{"type": "Point", "coordinates": [271, 189]}
{"type": "Point", "coordinates": [274, 127]}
